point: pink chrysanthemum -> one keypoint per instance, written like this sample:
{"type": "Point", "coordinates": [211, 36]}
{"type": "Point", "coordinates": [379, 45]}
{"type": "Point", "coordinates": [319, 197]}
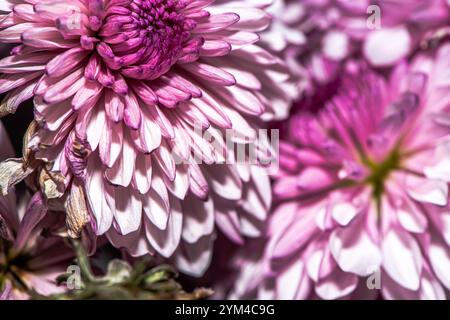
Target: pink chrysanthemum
{"type": "Point", "coordinates": [119, 86]}
{"type": "Point", "coordinates": [30, 259]}
{"type": "Point", "coordinates": [363, 192]}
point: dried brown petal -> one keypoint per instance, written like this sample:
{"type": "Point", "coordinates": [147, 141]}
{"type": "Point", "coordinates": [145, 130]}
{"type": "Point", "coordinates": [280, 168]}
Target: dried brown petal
{"type": "Point", "coordinates": [12, 171]}
{"type": "Point", "coordinates": [76, 209]}
{"type": "Point", "coordinates": [51, 183]}
{"type": "Point", "coordinates": [28, 154]}
{"type": "Point", "coordinates": [6, 107]}
{"type": "Point", "coordinates": [15, 98]}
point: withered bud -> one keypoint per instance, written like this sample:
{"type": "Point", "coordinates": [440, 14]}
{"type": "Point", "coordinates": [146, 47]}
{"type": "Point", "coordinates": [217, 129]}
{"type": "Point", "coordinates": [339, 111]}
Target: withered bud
{"type": "Point", "coordinates": [10, 103]}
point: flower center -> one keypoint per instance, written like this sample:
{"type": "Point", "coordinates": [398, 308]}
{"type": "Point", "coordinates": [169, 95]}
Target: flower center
{"type": "Point", "coordinates": [10, 267]}
{"type": "Point", "coordinates": [146, 36]}
{"type": "Point", "coordinates": [380, 172]}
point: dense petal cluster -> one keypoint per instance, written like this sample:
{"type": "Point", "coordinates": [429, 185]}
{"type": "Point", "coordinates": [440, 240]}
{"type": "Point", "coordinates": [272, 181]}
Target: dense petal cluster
{"type": "Point", "coordinates": [120, 87]}
{"type": "Point", "coordinates": [363, 193]}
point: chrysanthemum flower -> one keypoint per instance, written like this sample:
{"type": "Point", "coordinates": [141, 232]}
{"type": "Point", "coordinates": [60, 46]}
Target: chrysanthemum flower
{"type": "Point", "coordinates": [119, 87]}
{"type": "Point", "coordinates": [30, 256]}
{"type": "Point", "coordinates": [363, 193]}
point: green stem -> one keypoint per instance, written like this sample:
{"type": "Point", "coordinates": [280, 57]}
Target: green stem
{"type": "Point", "coordinates": [83, 261]}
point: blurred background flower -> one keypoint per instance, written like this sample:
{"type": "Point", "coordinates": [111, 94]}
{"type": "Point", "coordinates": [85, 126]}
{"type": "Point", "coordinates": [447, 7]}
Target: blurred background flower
{"type": "Point", "coordinates": [362, 192]}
